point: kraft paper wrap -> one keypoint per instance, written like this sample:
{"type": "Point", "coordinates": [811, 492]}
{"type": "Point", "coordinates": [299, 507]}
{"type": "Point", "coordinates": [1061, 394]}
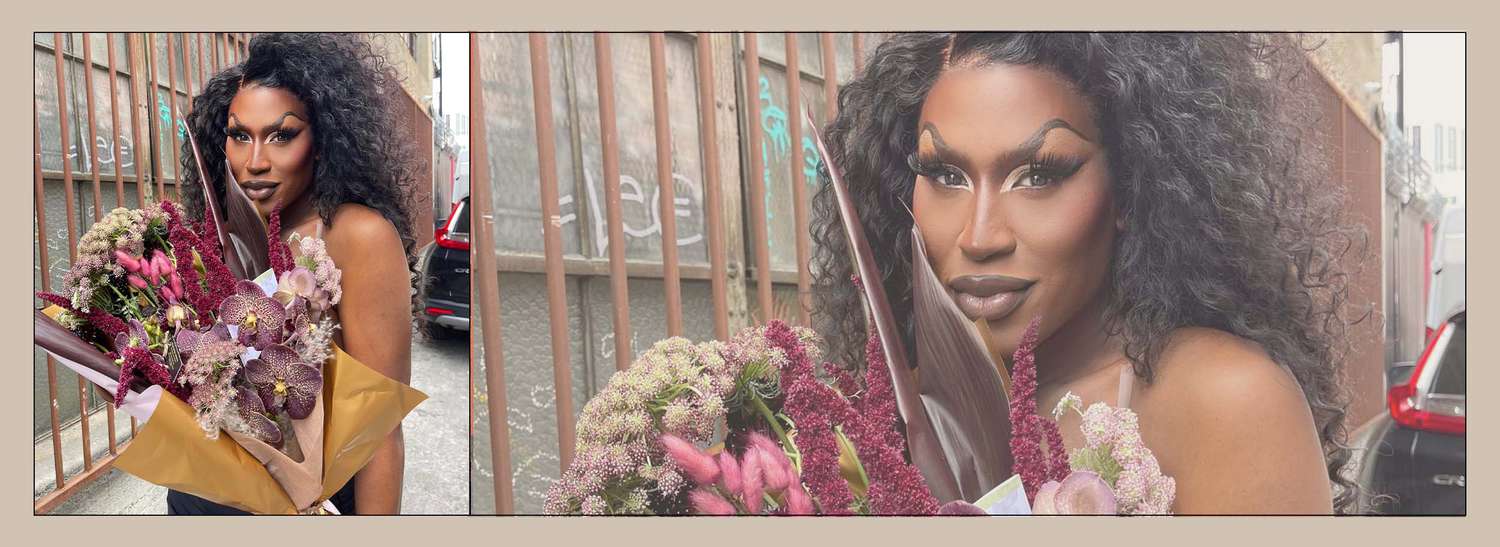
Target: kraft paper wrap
{"type": "Point", "coordinates": [171, 451]}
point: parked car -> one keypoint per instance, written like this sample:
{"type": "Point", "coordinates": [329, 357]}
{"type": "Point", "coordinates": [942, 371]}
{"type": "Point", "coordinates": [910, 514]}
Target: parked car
{"type": "Point", "coordinates": [1449, 265]}
{"type": "Point", "coordinates": [1413, 457]}
{"type": "Point", "coordinates": [444, 269]}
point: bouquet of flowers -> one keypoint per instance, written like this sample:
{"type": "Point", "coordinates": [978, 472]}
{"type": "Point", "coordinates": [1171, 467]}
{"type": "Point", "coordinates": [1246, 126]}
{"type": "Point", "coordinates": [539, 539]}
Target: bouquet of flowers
{"type": "Point", "coordinates": [742, 427]}
{"type": "Point", "coordinates": [161, 315]}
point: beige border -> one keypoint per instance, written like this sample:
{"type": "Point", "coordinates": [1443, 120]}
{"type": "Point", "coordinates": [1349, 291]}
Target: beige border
{"type": "Point", "coordinates": [700, 15]}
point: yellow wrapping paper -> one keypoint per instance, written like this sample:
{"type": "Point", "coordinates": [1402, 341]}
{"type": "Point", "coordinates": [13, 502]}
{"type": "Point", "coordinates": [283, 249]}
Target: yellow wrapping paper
{"type": "Point", "coordinates": [171, 451]}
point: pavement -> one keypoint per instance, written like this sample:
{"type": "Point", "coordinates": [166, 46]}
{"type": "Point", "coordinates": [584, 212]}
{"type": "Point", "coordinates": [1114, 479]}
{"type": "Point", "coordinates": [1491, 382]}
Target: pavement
{"type": "Point", "coordinates": [437, 447]}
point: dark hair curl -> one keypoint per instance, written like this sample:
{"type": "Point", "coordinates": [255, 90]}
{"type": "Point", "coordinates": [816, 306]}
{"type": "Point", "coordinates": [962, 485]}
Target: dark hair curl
{"type": "Point", "coordinates": [1231, 218]}
{"type": "Point", "coordinates": [350, 92]}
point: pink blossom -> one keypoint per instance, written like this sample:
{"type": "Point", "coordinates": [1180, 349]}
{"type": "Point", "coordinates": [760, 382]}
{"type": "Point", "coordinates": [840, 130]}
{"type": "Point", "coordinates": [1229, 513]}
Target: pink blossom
{"type": "Point", "coordinates": [708, 503]}
{"type": "Point", "coordinates": [753, 483]}
{"type": "Point", "coordinates": [1081, 493]}
{"type": "Point", "coordinates": [699, 467]}
{"type": "Point", "coordinates": [729, 477]}
{"type": "Point", "coordinates": [797, 501]}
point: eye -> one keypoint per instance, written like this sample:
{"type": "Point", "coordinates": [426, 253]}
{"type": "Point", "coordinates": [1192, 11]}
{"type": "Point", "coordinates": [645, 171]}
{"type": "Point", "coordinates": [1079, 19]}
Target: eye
{"type": "Point", "coordinates": [1035, 179]}
{"type": "Point", "coordinates": [283, 136]}
{"type": "Point", "coordinates": [941, 173]}
{"type": "Point", "coordinates": [239, 136]}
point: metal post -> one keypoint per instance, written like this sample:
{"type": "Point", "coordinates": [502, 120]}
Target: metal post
{"type": "Point", "coordinates": [609, 137]}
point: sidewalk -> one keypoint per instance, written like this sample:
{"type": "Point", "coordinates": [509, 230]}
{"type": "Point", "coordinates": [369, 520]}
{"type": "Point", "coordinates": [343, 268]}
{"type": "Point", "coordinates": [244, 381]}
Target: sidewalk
{"type": "Point", "coordinates": [437, 475]}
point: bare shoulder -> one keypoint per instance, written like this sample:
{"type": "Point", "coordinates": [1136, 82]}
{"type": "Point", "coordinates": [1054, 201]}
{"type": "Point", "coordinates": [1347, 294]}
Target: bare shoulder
{"type": "Point", "coordinates": [1225, 417]}
{"type": "Point", "coordinates": [360, 234]}
{"type": "Point", "coordinates": [1204, 365]}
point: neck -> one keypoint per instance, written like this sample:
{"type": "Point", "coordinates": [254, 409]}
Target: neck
{"type": "Point", "coordinates": [1078, 348]}
{"type": "Point", "coordinates": [296, 214]}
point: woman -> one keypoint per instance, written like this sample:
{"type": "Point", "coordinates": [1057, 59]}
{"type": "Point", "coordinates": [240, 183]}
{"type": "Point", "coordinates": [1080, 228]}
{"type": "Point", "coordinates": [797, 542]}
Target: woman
{"type": "Point", "coordinates": [1151, 197]}
{"type": "Point", "coordinates": [307, 125]}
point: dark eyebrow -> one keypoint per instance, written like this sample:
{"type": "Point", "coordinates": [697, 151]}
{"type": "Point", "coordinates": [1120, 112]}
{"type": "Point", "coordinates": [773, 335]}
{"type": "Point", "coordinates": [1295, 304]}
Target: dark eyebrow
{"type": "Point", "coordinates": [274, 125]}
{"type": "Point", "coordinates": [1027, 148]}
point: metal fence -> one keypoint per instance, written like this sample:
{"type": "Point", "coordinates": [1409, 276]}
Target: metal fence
{"type": "Point", "coordinates": [579, 131]}
{"type": "Point", "coordinates": [113, 140]}
{"type": "Point", "coordinates": [107, 124]}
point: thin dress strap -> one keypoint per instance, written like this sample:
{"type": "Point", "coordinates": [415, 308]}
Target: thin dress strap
{"type": "Point", "coordinates": [1127, 385]}
{"type": "Point", "coordinates": [320, 229]}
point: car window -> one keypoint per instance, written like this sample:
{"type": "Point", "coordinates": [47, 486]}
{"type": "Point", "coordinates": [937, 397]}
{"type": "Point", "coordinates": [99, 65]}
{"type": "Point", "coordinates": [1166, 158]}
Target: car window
{"type": "Point", "coordinates": [461, 224]}
{"type": "Point", "coordinates": [1452, 367]}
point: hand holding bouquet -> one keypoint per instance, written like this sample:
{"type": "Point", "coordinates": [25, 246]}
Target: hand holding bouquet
{"type": "Point", "coordinates": [153, 314]}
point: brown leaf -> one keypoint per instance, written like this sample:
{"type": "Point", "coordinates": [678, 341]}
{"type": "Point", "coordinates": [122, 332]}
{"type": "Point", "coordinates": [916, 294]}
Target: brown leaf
{"type": "Point", "coordinates": [959, 383]}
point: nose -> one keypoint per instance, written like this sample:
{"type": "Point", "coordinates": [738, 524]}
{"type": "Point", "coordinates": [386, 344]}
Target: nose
{"type": "Point", "coordinates": [987, 234]}
{"type": "Point", "coordinates": [258, 163]}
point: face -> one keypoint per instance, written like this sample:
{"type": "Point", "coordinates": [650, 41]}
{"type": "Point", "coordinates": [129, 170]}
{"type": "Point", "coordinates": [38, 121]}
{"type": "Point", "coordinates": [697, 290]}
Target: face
{"type": "Point", "coordinates": [269, 146]}
{"type": "Point", "coordinates": [1012, 197]}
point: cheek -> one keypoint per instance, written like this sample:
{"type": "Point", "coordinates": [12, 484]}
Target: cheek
{"type": "Point", "coordinates": [941, 216]}
{"type": "Point", "coordinates": [1069, 237]}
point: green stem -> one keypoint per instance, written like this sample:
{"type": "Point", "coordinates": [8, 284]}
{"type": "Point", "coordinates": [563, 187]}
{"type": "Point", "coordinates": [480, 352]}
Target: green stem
{"type": "Point", "coordinates": [786, 443]}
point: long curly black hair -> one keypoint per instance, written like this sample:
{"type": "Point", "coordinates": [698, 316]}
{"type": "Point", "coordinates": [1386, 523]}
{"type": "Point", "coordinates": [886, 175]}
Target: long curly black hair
{"type": "Point", "coordinates": [1231, 218]}
{"type": "Point", "coordinates": [350, 92]}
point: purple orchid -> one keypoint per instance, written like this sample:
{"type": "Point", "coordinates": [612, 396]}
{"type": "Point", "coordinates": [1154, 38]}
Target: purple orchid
{"type": "Point", "coordinates": [283, 379]}
{"type": "Point", "coordinates": [259, 317]}
{"type": "Point", "coordinates": [134, 337]}
{"type": "Point", "coordinates": [189, 340]}
{"type": "Point", "coordinates": [253, 413]}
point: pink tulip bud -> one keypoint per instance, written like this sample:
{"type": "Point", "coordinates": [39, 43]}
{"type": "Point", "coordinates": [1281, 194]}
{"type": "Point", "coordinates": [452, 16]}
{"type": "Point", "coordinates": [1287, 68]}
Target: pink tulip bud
{"type": "Point", "coordinates": [709, 503]}
{"type": "Point", "coordinates": [130, 263]}
{"type": "Point", "coordinates": [159, 268]}
{"type": "Point", "coordinates": [136, 281]}
{"type": "Point", "coordinates": [699, 467]}
{"type": "Point", "coordinates": [176, 285]}
{"type": "Point", "coordinates": [777, 476]}
{"type": "Point", "coordinates": [753, 481]}
{"type": "Point", "coordinates": [729, 476]}
{"type": "Point", "coordinates": [797, 500]}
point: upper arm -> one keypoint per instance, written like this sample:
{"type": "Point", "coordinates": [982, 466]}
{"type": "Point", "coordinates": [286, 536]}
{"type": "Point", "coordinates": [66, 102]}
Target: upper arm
{"type": "Point", "coordinates": [375, 310]}
{"type": "Point", "coordinates": [1236, 430]}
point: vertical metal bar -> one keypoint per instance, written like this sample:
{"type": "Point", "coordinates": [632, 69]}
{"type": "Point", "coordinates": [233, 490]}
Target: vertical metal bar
{"type": "Point", "coordinates": [557, 297]}
{"type": "Point", "coordinates": [151, 116]}
{"type": "Point", "coordinates": [172, 123]}
{"type": "Point", "coordinates": [67, 166]}
{"type": "Point", "coordinates": [88, 84]}
{"type": "Point", "coordinates": [88, 148]}
{"type": "Point", "coordinates": [671, 278]}
{"type": "Point", "coordinates": [41, 242]}
{"type": "Point", "coordinates": [718, 276]}
{"type": "Point", "coordinates": [132, 50]}
{"type": "Point", "coordinates": [244, 49]}
{"type": "Point", "coordinates": [489, 285]}
{"type": "Point", "coordinates": [830, 77]}
{"type": "Point", "coordinates": [859, 52]}
{"type": "Point", "coordinates": [799, 180]}
{"type": "Point", "coordinates": [756, 177]}
{"type": "Point", "coordinates": [609, 136]}
{"type": "Point", "coordinates": [187, 72]}
{"type": "Point", "coordinates": [114, 113]}
{"type": "Point", "coordinates": [225, 57]}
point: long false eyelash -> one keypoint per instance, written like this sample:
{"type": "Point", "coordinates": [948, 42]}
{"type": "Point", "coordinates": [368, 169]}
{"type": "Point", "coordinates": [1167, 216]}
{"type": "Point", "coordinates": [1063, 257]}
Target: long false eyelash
{"type": "Point", "coordinates": [924, 168]}
{"type": "Point", "coordinates": [1054, 165]}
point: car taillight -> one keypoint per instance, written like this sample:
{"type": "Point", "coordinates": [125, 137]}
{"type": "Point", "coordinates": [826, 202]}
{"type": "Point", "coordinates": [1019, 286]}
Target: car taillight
{"type": "Point", "coordinates": [449, 240]}
{"type": "Point", "coordinates": [1427, 335]}
{"type": "Point", "coordinates": [1402, 398]}
{"type": "Point", "coordinates": [434, 310]}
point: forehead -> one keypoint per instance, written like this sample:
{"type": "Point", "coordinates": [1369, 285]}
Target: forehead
{"type": "Point", "coordinates": [998, 106]}
{"type": "Point", "coordinates": [256, 105]}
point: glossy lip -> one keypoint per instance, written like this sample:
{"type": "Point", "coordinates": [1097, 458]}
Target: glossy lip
{"type": "Point", "coordinates": [259, 190]}
{"type": "Point", "coordinates": [991, 297]}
